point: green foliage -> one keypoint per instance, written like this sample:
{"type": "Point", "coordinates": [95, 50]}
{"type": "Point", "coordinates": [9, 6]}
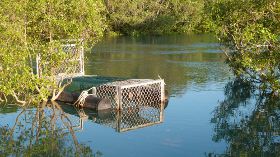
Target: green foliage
{"type": "Point", "coordinates": [132, 17]}
{"type": "Point", "coordinates": [249, 30]}
{"type": "Point", "coordinates": [30, 28]}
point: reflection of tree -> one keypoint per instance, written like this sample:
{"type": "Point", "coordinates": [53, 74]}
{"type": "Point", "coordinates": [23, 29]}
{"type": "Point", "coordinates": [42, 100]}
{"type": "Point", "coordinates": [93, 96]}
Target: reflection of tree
{"type": "Point", "coordinates": [44, 131]}
{"type": "Point", "coordinates": [251, 128]}
{"type": "Point", "coordinates": [4, 108]}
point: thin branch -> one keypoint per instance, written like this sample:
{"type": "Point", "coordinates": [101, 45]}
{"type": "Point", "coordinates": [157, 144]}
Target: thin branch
{"type": "Point", "coordinates": [54, 97]}
{"type": "Point", "coordinates": [18, 100]}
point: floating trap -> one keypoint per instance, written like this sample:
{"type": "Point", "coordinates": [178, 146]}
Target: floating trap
{"type": "Point", "coordinates": [132, 92]}
{"type": "Point", "coordinates": [122, 93]}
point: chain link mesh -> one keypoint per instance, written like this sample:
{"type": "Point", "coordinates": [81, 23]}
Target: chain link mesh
{"type": "Point", "coordinates": [72, 65]}
{"type": "Point", "coordinates": [133, 118]}
{"type": "Point", "coordinates": [132, 93]}
{"type": "Point", "coordinates": [140, 95]}
{"type": "Point", "coordinates": [141, 117]}
{"type": "Point", "coordinates": [110, 120]}
{"type": "Point", "coordinates": [109, 92]}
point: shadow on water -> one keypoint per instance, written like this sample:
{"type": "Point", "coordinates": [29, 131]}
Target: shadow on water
{"type": "Point", "coordinates": [44, 131]}
{"type": "Point", "coordinates": [249, 122]}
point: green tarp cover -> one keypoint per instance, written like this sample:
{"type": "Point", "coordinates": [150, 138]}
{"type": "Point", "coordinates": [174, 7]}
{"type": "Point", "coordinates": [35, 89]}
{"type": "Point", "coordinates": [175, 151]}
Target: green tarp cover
{"type": "Point", "coordinates": [85, 82]}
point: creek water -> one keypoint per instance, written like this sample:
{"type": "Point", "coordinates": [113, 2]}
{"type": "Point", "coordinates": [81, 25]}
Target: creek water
{"type": "Point", "coordinates": [209, 112]}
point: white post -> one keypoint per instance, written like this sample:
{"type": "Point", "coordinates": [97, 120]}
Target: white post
{"type": "Point", "coordinates": [119, 97]}
{"type": "Point", "coordinates": [162, 90]}
{"type": "Point", "coordinates": [82, 67]}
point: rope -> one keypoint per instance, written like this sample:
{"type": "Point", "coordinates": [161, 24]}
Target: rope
{"type": "Point", "coordinates": [82, 98]}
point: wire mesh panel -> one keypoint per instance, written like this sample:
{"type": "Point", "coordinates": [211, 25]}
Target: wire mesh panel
{"type": "Point", "coordinates": [133, 92]}
{"type": "Point", "coordinates": [144, 116]}
{"type": "Point", "coordinates": [132, 118]}
{"type": "Point", "coordinates": [120, 120]}
{"type": "Point", "coordinates": [110, 120]}
{"type": "Point", "coordinates": [72, 64]}
{"type": "Point", "coordinates": [149, 93]}
{"type": "Point", "coordinates": [109, 92]}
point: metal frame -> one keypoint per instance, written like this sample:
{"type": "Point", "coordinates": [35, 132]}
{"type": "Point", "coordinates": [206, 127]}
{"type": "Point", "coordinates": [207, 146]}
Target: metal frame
{"type": "Point", "coordinates": [80, 50]}
{"type": "Point", "coordinates": [120, 86]}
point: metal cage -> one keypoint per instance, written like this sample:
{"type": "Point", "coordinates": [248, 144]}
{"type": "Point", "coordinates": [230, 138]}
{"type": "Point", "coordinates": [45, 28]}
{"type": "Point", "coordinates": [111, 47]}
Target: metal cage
{"type": "Point", "coordinates": [133, 92]}
{"type": "Point", "coordinates": [73, 63]}
{"type": "Point", "coordinates": [131, 119]}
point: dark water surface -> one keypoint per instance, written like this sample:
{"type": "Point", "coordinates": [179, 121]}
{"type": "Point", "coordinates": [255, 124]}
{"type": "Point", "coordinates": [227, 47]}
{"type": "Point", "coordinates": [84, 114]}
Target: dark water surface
{"type": "Point", "coordinates": [209, 113]}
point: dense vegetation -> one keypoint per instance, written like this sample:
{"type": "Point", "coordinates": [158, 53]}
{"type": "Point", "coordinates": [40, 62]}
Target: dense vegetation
{"type": "Point", "coordinates": [30, 28]}
{"type": "Point", "coordinates": [249, 31]}
{"type": "Point", "coordinates": [133, 17]}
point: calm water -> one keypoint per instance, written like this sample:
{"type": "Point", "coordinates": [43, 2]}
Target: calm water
{"type": "Point", "coordinates": [209, 113]}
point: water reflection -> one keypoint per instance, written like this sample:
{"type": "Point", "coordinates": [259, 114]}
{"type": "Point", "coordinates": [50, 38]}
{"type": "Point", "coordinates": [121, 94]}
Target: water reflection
{"type": "Point", "coordinates": [42, 131]}
{"type": "Point", "coordinates": [183, 61]}
{"type": "Point", "coordinates": [124, 120]}
{"type": "Point", "coordinates": [195, 75]}
{"type": "Point", "coordinates": [248, 121]}
{"type": "Point", "coordinates": [50, 129]}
